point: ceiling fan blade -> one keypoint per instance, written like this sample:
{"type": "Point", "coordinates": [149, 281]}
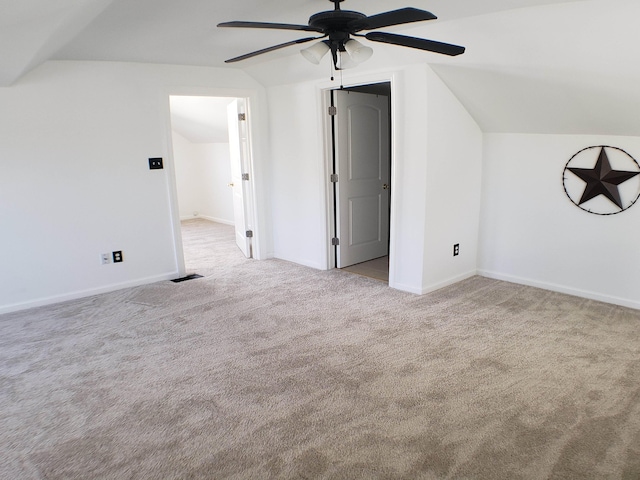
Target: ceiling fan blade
{"type": "Point", "coordinates": [271, 49]}
{"type": "Point", "coordinates": [414, 42]}
{"type": "Point", "coordinates": [394, 17]}
{"type": "Point", "coordinates": [277, 26]}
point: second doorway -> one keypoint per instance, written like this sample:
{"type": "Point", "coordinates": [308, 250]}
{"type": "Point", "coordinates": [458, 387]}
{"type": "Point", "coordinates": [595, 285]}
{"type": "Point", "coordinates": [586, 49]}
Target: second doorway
{"type": "Point", "coordinates": [361, 176]}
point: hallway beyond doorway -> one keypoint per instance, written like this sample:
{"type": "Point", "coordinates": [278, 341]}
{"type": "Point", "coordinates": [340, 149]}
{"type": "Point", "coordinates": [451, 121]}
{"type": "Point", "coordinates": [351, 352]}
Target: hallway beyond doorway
{"type": "Point", "coordinates": [378, 268]}
{"type": "Point", "coordinates": [209, 245]}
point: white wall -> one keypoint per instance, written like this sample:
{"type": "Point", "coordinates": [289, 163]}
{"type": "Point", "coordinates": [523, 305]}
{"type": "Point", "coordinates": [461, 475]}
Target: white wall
{"type": "Point", "coordinates": [296, 163]}
{"type": "Point", "coordinates": [531, 232]}
{"type": "Point", "coordinates": [203, 172]}
{"type": "Point", "coordinates": [453, 186]}
{"type": "Point", "coordinates": [74, 142]}
{"type": "Point", "coordinates": [408, 177]}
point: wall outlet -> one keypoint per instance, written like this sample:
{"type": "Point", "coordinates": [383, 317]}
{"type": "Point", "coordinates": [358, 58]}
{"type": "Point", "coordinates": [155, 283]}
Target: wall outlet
{"type": "Point", "coordinates": [456, 250]}
{"type": "Point", "coordinates": [117, 256]}
{"type": "Point", "coordinates": [105, 258]}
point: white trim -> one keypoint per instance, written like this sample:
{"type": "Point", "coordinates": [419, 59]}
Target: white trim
{"type": "Point", "coordinates": [446, 283]}
{"type": "Point", "coordinates": [407, 288]}
{"type": "Point", "coordinates": [395, 212]}
{"type": "Point", "coordinates": [327, 186]}
{"type": "Point", "coordinates": [561, 289]}
{"type": "Point", "coordinates": [172, 186]}
{"type": "Point", "coordinates": [206, 217]}
{"type": "Point", "coordinates": [302, 262]}
{"type": "Point", "coordinates": [41, 302]}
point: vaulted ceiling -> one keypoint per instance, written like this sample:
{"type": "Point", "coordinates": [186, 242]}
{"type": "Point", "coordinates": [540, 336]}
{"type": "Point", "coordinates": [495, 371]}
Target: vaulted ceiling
{"type": "Point", "coordinates": [532, 66]}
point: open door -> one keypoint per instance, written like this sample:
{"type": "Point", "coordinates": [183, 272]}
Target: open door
{"type": "Point", "coordinates": [239, 153]}
{"type": "Point", "coordinates": [362, 152]}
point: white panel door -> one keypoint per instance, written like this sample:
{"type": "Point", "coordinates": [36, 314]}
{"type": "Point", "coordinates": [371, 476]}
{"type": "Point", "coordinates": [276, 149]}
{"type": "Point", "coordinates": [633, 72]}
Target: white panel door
{"type": "Point", "coordinates": [363, 165]}
{"type": "Point", "coordinates": [239, 153]}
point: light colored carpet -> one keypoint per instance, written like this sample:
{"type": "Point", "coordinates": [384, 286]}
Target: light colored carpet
{"type": "Point", "coordinates": [268, 369]}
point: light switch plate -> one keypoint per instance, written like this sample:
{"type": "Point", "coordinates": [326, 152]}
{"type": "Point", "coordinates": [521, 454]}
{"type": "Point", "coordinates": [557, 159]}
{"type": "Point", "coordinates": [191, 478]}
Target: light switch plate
{"type": "Point", "coordinates": [155, 163]}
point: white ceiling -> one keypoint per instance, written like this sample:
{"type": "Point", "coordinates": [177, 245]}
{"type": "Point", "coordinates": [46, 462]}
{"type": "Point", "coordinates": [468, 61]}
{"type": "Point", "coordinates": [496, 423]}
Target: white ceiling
{"type": "Point", "coordinates": [532, 66]}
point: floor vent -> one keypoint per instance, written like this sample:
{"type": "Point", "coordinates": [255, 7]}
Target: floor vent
{"type": "Point", "coordinates": [188, 277]}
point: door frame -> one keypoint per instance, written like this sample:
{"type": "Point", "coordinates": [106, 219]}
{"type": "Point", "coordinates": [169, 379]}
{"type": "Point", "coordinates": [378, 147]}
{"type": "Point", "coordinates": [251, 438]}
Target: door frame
{"type": "Point", "coordinates": [330, 217]}
{"type": "Point", "coordinates": [240, 157]}
{"type": "Point", "coordinates": [252, 100]}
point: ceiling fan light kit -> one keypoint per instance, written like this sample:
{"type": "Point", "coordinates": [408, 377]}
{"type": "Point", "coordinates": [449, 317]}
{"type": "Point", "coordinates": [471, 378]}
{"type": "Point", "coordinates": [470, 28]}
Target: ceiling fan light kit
{"type": "Point", "coordinates": [357, 51]}
{"type": "Point", "coordinates": [315, 52]}
{"type": "Point", "coordinates": [338, 26]}
{"type": "Point", "coordinates": [344, 61]}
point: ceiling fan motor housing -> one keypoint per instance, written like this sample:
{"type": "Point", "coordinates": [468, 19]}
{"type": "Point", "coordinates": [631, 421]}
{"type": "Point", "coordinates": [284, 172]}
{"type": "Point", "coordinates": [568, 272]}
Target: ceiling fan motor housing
{"type": "Point", "coordinates": [337, 24]}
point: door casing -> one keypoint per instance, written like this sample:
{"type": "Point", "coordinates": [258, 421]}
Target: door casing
{"type": "Point", "coordinates": [251, 99]}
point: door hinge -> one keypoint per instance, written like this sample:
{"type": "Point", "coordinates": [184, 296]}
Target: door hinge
{"type": "Point", "coordinates": [242, 117]}
{"type": "Point", "coordinates": [334, 178]}
{"type": "Point", "coordinates": [335, 242]}
{"type": "Point", "coordinates": [245, 176]}
{"type": "Point", "coordinates": [333, 110]}
{"type": "Point", "coordinates": [249, 233]}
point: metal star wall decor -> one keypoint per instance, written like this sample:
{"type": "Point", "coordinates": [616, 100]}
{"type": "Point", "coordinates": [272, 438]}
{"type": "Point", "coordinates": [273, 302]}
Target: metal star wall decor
{"type": "Point", "coordinates": [602, 189]}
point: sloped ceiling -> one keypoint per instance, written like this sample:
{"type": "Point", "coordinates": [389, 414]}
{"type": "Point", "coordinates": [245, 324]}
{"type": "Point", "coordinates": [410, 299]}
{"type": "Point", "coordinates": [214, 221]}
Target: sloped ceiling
{"type": "Point", "coordinates": [531, 66]}
{"type": "Point", "coordinates": [32, 31]}
{"type": "Point", "coordinates": [569, 68]}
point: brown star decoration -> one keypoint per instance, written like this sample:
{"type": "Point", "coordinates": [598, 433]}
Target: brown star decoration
{"type": "Point", "coordinates": [602, 180]}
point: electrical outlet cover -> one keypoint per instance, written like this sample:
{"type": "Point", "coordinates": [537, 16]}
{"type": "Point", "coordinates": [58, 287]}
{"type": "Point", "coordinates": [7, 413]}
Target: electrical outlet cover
{"type": "Point", "coordinates": [117, 256]}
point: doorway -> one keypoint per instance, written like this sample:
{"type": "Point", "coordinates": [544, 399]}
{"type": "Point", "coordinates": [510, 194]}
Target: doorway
{"type": "Point", "coordinates": [360, 166]}
{"type": "Point", "coordinates": [211, 159]}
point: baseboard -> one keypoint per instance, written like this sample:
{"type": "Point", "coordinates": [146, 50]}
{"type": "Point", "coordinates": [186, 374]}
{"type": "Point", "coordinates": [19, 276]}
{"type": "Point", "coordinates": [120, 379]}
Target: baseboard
{"type": "Point", "coordinates": [206, 217]}
{"type": "Point", "coordinates": [406, 288]}
{"type": "Point", "coordinates": [432, 288]}
{"type": "Point", "coordinates": [446, 283]}
{"type": "Point", "coordinates": [561, 289]}
{"type": "Point", "coordinates": [217, 220]}
{"type": "Point", "coordinates": [41, 302]}
{"type": "Point", "coordinates": [305, 263]}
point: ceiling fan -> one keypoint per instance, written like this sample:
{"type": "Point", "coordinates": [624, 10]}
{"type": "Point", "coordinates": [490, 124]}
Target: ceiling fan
{"type": "Point", "coordinates": [338, 26]}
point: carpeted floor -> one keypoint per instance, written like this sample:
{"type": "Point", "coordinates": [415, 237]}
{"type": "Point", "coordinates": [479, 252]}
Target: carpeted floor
{"type": "Point", "coordinates": [268, 369]}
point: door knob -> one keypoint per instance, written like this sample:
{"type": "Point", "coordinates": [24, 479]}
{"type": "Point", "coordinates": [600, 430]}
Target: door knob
{"type": "Point", "coordinates": [230, 185]}
{"type": "Point", "coordinates": [385, 186]}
